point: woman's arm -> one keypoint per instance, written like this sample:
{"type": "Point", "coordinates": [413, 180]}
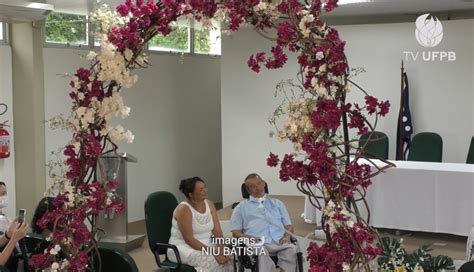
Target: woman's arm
{"type": "Point", "coordinates": [217, 230]}
{"type": "Point", "coordinates": [18, 232]}
{"type": "Point", "coordinates": [184, 218]}
{"type": "Point", "coordinates": [6, 252]}
{"type": "Point", "coordinates": [3, 239]}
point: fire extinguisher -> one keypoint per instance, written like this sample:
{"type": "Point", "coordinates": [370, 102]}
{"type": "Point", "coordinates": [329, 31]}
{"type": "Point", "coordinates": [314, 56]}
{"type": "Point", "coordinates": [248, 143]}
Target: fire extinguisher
{"type": "Point", "coordinates": [4, 142]}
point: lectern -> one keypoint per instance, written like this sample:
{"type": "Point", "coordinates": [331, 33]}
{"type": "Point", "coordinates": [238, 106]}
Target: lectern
{"type": "Point", "coordinates": [115, 226]}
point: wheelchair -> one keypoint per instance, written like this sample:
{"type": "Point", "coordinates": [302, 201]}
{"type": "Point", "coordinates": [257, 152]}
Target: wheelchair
{"type": "Point", "coordinates": [243, 262]}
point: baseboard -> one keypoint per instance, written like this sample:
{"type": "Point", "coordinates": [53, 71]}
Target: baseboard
{"type": "Point", "coordinates": [137, 227]}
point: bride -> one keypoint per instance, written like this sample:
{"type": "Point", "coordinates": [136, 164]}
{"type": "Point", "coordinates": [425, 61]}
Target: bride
{"type": "Point", "coordinates": [194, 222]}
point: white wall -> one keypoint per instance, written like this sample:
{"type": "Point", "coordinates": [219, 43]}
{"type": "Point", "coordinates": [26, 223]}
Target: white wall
{"type": "Point", "coordinates": [175, 116]}
{"type": "Point", "coordinates": [7, 166]}
{"type": "Point", "coordinates": [441, 94]}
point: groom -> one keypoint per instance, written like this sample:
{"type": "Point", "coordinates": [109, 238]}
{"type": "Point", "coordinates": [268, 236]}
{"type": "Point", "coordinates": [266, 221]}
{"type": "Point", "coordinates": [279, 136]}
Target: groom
{"type": "Point", "coordinates": [267, 219]}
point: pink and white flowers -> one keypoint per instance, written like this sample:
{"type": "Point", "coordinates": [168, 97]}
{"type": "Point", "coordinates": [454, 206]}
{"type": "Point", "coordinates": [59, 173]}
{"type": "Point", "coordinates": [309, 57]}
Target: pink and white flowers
{"type": "Point", "coordinates": [316, 123]}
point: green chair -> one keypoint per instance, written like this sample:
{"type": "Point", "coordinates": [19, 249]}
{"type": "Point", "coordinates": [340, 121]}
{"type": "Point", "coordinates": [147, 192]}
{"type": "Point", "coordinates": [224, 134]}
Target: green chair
{"type": "Point", "coordinates": [159, 207]}
{"type": "Point", "coordinates": [377, 147]}
{"type": "Point", "coordinates": [427, 147]}
{"type": "Point", "coordinates": [470, 154]}
{"type": "Point", "coordinates": [114, 259]}
{"type": "Point", "coordinates": [35, 243]}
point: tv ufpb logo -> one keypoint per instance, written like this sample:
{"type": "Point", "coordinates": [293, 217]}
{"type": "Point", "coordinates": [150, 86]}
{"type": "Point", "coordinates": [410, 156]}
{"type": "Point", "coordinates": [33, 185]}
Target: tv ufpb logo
{"type": "Point", "coordinates": [429, 33]}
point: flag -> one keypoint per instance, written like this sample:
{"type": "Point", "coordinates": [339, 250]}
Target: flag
{"type": "Point", "coordinates": [404, 127]}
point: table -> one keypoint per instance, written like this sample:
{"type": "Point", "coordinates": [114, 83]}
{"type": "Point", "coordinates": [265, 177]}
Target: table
{"type": "Point", "coordinates": [419, 196]}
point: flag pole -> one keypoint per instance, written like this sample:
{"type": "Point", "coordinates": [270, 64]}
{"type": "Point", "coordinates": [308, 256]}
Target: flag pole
{"type": "Point", "coordinates": [399, 140]}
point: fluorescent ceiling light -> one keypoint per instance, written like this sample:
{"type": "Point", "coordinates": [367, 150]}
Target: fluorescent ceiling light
{"type": "Point", "coordinates": [345, 2]}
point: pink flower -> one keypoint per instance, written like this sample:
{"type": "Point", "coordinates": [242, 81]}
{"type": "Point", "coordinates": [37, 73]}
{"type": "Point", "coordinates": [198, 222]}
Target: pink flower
{"type": "Point", "coordinates": [384, 108]}
{"type": "Point", "coordinates": [39, 261]}
{"type": "Point", "coordinates": [272, 160]}
{"type": "Point", "coordinates": [253, 64]}
{"type": "Point", "coordinates": [123, 9]}
{"type": "Point", "coordinates": [330, 5]}
{"type": "Point", "coordinates": [327, 115]}
{"type": "Point", "coordinates": [371, 104]}
{"type": "Point", "coordinates": [112, 184]}
{"type": "Point", "coordinates": [278, 60]}
{"type": "Point", "coordinates": [83, 74]}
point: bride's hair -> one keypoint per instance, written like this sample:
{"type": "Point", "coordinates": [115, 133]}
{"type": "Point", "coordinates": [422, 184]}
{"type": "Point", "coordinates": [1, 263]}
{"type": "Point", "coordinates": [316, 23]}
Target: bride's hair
{"type": "Point", "coordinates": [186, 186]}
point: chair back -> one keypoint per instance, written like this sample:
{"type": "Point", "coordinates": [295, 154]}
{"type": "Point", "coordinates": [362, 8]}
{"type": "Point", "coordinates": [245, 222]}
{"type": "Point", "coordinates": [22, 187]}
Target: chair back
{"type": "Point", "coordinates": [470, 153]}
{"type": "Point", "coordinates": [377, 145]}
{"type": "Point", "coordinates": [114, 259]}
{"type": "Point", "coordinates": [467, 267]}
{"type": "Point", "coordinates": [427, 147]}
{"type": "Point", "coordinates": [245, 193]}
{"type": "Point", "coordinates": [159, 208]}
{"type": "Point", "coordinates": [35, 243]}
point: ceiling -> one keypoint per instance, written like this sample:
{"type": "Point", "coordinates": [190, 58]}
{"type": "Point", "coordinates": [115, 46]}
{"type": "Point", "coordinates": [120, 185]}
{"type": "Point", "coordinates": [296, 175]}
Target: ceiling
{"type": "Point", "coordinates": [375, 7]}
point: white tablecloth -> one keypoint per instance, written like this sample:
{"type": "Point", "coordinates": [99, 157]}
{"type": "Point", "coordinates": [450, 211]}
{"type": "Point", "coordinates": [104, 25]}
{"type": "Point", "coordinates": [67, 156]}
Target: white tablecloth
{"type": "Point", "coordinates": [420, 196]}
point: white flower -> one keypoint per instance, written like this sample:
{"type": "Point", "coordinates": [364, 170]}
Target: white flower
{"type": "Point", "coordinates": [125, 111]}
{"type": "Point", "coordinates": [80, 95]}
{"type": "Point", "coordinates": [220, 14]}
{"type": "Point", "coordinates": [308, 18]}
{"type": "Point", "coordinates": [113, 66]}
{"type": "Point", "coordinates": [322, 68]}
{"type": "Point", "coordinates": [71, 197]}
{"type": "Point", "coordinates": [319, 55]}
{"type": "Point", "coordinates": [321, 90]}
{"type": "Point", "coordinates": [68, 187]}
{"type": "Point", "coordinates": [85, 116]}
{"type": "Point", "coordinates": [55, 250]}
{"type": "Point", "coordinates": [55, 266]}
{"type": "Point", "coordinates": [333, 89]}
{"type": "Point", "coordinates": [141, 60]}
{"type": "Point", "coordinates": [128, 54]}
{"type": "Point", "coordinates": [64, 264]}
{"type": "Point", "coordinates": [118, 134]}
{"type": "Point", "coordinates": [113, 106]}
{"type": "Point", "coordinates": [348, 87]}
{"type": "Point", "coordinates": [91, 55]}
{"type": "Point", "coordinates": [76, 145]}
{"type": "Point", "coordinates": [261, 6]}
{"type": "Point", "coordinates": [129, 137]}
{"type": "Point", "coordinates": [346, 267]}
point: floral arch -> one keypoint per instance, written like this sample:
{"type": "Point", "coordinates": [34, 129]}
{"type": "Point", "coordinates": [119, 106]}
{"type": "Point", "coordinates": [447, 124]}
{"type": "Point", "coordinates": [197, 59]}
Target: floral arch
{"type": "Point", "coordinates": [317, 121]}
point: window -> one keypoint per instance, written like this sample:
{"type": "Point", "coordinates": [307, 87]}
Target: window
{"type": "Point", "coordinates": [176, 41]}
{"type": "Point", "coordinates": [207, 41]}
{"type": "Point", "coordinates": [179, 40]}
{"type": "Point", "coordinates": [2, 38]}
{"type": "Point", "coordinates": [187, 36]}
{"type": "Point", "coordinates": [66, 29]}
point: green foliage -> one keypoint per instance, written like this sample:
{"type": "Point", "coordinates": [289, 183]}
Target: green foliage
{"type": "Point", "coordinates": [394, 255]}
{"type": "Point", "coordinates": [201, 41]}
{"type": "Point", "coordinates": [66, 28]}
{"type": "Point", "coordinates": [177, 39]}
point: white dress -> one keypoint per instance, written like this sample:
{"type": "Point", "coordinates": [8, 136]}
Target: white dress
{"type": "Point", "coordinates": [202, 230]}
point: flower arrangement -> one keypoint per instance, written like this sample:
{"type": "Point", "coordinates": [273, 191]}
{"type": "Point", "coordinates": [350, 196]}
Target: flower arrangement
{"type": "Point", "coordinates": [395, 258]}
{"type": "Point", "coordinates": [317, 124]}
